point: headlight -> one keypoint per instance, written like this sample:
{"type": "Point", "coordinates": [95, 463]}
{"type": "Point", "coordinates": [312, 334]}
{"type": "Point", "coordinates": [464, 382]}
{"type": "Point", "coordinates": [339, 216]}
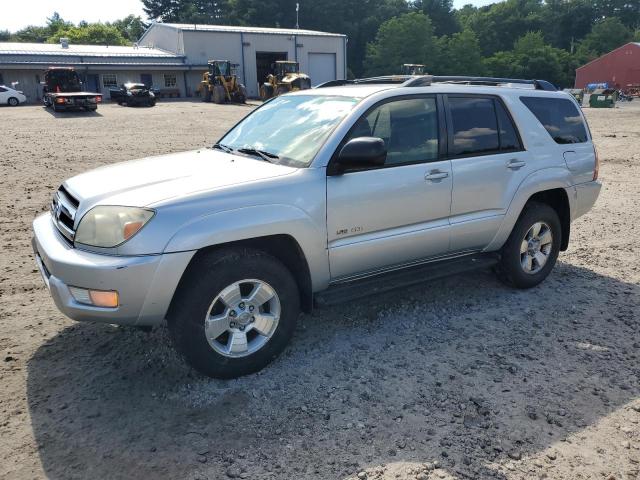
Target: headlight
{"type": "Point", "coordinates": [129, 92]}
{"type": "Point", "coordinates": [151, 94]}
{"type": "Point", "coordinates": [110, 226]}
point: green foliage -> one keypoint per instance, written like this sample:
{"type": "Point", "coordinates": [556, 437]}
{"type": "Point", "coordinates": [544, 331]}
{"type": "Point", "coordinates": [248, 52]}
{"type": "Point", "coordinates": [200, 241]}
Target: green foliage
{"type": "Point", "coordinates": [5, 35]}
{"type": "Point", "coordinates": [531, 57]}
{"type": "Point", "coordinates": [404, 39]}
{"type": "Point", "coordinates": [441, 14]}
{"type": "Point", "coordinates": [458, 54]}
{"type": "Point", "coordinates": [90, 34]}
{"type": "Point", "coordinates": [605, 36]}
{"type": "Point", "coordinates": [130, 27]}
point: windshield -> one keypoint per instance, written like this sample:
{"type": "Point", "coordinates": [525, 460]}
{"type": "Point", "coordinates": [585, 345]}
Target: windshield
{"type": "Point", "coordinates": [291, 127]}
{"type": "Point", "coordinates": [289, 67]}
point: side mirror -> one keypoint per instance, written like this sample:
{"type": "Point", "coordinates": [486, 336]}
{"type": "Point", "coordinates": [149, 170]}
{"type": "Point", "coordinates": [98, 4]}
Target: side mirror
{"type": "Point", "coordinates": [358, 153]}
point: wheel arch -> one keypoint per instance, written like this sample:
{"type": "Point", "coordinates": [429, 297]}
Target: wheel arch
{"type": "Point", "coordinates": [557, 199]}
{"type": "Point", "coordinates": [281, 246]}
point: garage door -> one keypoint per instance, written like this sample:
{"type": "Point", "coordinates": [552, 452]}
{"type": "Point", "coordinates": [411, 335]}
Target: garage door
{"type": "Point", "coordinates": [322, 67]}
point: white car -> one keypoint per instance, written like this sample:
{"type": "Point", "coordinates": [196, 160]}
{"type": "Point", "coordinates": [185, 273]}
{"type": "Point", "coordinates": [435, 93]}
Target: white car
{"type": "Point", "coordinates": [9, 96]}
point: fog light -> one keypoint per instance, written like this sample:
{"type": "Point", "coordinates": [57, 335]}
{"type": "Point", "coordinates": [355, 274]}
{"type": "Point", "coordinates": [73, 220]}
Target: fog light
{"type": "Point", "coordinates": [97, 298]}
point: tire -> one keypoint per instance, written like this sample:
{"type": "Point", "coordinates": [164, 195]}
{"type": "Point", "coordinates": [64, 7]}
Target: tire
{"type": "Point", "coordinates": [13, 102]}
{"type": "Point", "coordinates": [219, 95]}
{"type": "Point", "coordinates": [198, 297]}
{"type": "Point", "coordinates": [523, 269]}
{"type": "Point", "coordinates": [266, 91]}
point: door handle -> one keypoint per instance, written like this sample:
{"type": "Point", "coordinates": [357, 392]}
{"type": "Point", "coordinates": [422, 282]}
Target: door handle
{"type": "Point", "coordinates": [436, 175]}
{"type": "Point", "coordinates": [515, 164]}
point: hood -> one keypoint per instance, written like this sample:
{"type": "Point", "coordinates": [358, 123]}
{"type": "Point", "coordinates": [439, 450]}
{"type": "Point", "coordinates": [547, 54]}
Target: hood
{"type": "Point", "coordinates": [151, 180]}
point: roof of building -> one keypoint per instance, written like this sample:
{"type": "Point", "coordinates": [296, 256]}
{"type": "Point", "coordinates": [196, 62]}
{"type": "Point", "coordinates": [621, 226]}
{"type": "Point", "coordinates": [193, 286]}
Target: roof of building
{"type": "Point", "coordinates": [234, 29]}
{"type": "Point", "coordinates": [55, 49]}
{"type": "Point", "coordinates": [636, 44]}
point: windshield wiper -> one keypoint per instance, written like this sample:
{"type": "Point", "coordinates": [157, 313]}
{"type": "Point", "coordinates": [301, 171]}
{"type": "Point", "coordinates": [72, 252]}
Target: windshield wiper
{"type": "Point", "coordinates": [222, 147]}
{"type": "Point", "coordinates": [266, 156]}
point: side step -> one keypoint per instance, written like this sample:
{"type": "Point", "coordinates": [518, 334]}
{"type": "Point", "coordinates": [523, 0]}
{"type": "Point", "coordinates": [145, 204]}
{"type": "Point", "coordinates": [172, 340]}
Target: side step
{"type": "Point", "coordinates": [384, 282]}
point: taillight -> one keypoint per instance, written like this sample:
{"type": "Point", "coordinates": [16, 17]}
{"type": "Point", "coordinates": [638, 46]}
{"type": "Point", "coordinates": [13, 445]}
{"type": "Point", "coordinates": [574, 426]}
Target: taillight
{"type": "Point", "coordinates": [60, 100]}
{"type": "Point", "coordinates": [98, 99]}
{"type": "Point", "coordinates": [596, 167]}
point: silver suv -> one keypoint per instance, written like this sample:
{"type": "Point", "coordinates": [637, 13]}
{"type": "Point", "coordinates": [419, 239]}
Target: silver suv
{"type": "Point", "coordinates": [317, 197]}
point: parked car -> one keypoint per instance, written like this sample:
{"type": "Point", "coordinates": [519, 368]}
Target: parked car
{"type": "Point", "coordinates": [133, 94]}
{"type": "Point", "coordinates": [10, 96]}
{"type": "Point", "coordinates": [318, 197]}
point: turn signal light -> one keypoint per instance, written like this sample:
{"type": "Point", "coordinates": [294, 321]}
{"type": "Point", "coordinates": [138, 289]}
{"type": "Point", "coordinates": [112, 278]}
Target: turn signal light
{"type": "Point", "coordinates": [131, 228]}
{"type": "Point", "coordinates": [97, 298]}
{"type": "Point", "coordinates": [101, 298]}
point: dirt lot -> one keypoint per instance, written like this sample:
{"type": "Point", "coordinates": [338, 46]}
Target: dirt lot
{"type": "Point", "coordinates": [463, 378]}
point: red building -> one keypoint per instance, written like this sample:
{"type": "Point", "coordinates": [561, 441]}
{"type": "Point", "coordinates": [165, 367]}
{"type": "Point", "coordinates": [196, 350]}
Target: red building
{"type": "Point", "coordinates": [618, 68]}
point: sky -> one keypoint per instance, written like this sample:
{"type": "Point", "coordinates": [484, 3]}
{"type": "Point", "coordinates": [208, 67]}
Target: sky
{"type": "Point", "coordinates": [15, 14]}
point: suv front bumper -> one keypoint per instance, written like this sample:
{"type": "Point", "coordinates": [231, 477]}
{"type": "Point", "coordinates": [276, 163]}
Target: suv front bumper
{"type": "Point", "coordinates": [145, 283]}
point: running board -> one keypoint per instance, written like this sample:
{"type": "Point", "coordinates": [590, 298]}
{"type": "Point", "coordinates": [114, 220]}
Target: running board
{"type": "Point", "coordinates": [384, 282]}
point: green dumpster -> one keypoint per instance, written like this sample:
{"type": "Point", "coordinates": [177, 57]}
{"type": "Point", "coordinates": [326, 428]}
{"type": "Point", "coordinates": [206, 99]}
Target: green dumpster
{"type": "Point", "coordinates": [603, 98]}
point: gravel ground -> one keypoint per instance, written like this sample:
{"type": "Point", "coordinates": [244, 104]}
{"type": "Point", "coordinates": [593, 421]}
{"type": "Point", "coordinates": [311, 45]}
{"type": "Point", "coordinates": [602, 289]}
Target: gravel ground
{"type": "Point", "coordinates": [460, 378]}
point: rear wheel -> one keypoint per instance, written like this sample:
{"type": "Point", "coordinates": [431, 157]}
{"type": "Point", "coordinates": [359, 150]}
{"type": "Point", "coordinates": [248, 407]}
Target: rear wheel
{"type": "Point", "coordinates": [266, 91]}
{"type": "Point", "coordinates": [13, 101]}
{"type": "Point", "coordinates": [532, 249]}
{"type": "Point", "coordinates": [234, 312]}
{"type": "Point", "coordinates": [218, 94]}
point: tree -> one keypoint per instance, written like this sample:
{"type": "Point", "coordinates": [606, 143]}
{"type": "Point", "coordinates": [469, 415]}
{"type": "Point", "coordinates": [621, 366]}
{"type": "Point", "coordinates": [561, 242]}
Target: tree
{"type": "Point", "coordinates": [90, 34]}
{"type": "Point", "coordinates": [605, 36]}
{"type": "Point", "coordinates": [404, 39]}
{"type": "Point", "coordinates": [5, 35]}
{"type": "Point", "coordinates": [189, 11]}
{"type": "Point", "coordinates": [499, 25]}
{"type": "Point", "coordinates": [531, 57]}
{"type": "Point", "coordinates": [459, 54]}
{"type": "Point", "coordinates": [441, 14]}
{"type": "Point", "coordinates": [130, 27]}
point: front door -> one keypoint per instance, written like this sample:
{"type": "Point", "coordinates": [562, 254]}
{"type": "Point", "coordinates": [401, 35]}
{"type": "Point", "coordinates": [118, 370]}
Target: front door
{"type": "Point", "coordinates": [147, 79]}
{"type": "Point", "coordinates": [488, 164]}
{"type": "Point", "coordinates": [92, 83]}
{"type": "Point", "coordinates": [385, 217]}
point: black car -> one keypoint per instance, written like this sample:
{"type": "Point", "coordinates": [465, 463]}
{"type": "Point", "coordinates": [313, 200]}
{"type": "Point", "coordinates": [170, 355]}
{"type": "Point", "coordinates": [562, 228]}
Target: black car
{"type": "Point", "coordinates": [133, 94]}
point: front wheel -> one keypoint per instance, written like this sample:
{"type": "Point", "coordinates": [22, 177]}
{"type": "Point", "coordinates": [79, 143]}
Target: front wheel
{"type": "Point", "coordinates": [234, 312]}
{"type": "Point", "coordinates": [13, 102]}
{"type": "Point", "coordinates": [532, 249]}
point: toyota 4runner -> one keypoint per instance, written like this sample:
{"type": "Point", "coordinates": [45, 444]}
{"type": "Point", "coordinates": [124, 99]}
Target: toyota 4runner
{"type": "Point", "coordinates": [316, 197]}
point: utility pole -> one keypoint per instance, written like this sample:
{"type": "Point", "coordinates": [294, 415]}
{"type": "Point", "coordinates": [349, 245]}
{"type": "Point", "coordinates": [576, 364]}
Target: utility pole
{"type": "Point", "coordinates": [297, 10]}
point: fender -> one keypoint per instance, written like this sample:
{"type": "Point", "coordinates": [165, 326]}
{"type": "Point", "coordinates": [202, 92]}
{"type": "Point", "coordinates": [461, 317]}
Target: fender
{"type": "Point", "coordinates": [258, 221]}
{"type": "Point", "coordinates": [538, 181]}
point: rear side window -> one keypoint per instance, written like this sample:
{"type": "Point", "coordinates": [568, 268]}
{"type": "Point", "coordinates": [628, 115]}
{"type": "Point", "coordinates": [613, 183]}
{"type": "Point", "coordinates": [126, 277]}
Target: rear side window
{"type": "Point", "coordinates": [475, 127]}
{"type": "Point", "coordinates": [560, 117]}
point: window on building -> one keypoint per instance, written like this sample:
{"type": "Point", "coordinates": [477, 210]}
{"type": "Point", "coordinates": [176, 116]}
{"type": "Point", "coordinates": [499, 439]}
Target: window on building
{"type": "Point", "coordinates": [170, 80]}
{"type": "Point", "coordinates": [560, 117]}
{"type": "Point", "coordinates": [109, 80]}
{"type": "Point", "coordinates": [475, 127]}
{"type": "Point", "coordinates": [409, 129]}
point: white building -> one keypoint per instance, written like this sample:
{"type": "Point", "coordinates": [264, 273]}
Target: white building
{"type": "Point", "coordinates": [321, 55]}
{"type": "Point", "coordinates": [173, 57]}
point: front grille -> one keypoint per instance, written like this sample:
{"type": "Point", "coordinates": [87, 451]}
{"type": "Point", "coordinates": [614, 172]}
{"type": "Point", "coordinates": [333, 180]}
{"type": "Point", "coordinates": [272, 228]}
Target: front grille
{"type": "Point", "coordinates": [63, 212]}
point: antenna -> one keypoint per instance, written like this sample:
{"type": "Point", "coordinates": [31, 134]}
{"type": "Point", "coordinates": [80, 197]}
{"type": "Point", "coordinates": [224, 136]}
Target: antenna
{"type": "Point", "coordinates": [297, 10]}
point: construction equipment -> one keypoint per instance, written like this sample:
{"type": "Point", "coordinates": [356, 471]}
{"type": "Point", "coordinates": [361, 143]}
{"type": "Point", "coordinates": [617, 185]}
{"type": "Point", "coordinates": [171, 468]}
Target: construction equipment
{"type": "Point", "coordinates": [220, 84]}
{"type": "Point", "coordinates": [287, 78]}
{"type": "Point", "coordinates": [576, 93]}
{"type": "Point", "coordinates": [412, 69]}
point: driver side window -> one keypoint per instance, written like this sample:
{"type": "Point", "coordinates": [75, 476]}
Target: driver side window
{"type": "Point", "coordinates": [409, 128]}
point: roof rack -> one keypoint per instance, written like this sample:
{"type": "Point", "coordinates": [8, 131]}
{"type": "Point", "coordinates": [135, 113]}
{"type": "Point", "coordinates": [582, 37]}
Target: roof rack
{"type": "Point", "coordinates": [425, 80]}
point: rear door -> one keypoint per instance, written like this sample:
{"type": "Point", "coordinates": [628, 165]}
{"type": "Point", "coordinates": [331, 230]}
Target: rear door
{"type": "Point", "coordinates": [385, 217]}
{"type": "Point", "coordinates": [488, 164]}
